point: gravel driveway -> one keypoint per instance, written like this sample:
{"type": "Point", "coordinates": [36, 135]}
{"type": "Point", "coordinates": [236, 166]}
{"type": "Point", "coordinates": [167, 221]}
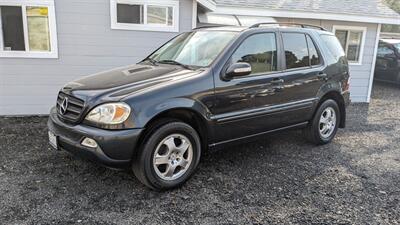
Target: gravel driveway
{"type": "Point", "coordinates": [279, 180]}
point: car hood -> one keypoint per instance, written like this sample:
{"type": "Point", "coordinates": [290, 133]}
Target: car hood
{"type": "Point", "coordinates": [120, 82]}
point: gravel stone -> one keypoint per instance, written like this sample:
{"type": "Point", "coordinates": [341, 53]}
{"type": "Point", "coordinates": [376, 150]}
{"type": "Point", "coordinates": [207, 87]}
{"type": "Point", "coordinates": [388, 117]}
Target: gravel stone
{"type": "Point", "coordinates": [280, 179]}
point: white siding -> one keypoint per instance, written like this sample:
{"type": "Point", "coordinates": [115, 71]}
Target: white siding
{"type": "Point", "coordinates": [86, 45]}
{"type": "Point", "coordinates": [360, 74]}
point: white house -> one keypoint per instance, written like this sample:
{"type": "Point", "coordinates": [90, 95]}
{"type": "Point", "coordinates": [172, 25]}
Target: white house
{"type": "Point", "coordinates": [46, 43]}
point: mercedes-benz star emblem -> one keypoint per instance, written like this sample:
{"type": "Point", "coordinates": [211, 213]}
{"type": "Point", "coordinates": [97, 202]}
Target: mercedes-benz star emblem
{"type": "Point", "coordinates": [64, 106]}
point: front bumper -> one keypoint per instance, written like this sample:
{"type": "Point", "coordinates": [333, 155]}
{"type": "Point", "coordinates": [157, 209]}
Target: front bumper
{"type": "Point", "coordinates": [115, 147]}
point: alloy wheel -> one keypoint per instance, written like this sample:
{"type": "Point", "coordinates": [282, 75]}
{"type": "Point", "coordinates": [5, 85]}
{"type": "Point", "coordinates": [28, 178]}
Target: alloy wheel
{"type": "Point", "coordinates": [327, 122]}
{"type": "Point", "coordinates": [172, 157]}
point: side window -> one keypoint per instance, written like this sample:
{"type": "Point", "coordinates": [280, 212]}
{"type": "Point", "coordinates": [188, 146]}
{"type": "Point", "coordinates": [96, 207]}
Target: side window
{"type": "Point", "coordinates": [296, 51]}
{"type": "Point", "coordinates": [259, 51]}
{"type": "Point", "coordinates": [314, 57]}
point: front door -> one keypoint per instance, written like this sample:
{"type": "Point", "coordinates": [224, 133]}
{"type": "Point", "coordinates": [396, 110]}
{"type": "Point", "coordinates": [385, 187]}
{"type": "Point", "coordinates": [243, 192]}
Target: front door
{"type": "Point", "coordinates": [235, 112]}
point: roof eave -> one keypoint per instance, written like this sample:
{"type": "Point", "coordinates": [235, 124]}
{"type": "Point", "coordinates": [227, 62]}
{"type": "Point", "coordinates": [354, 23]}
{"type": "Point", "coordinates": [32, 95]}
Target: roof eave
{"type": "Point", "coordinates": [251, 11]}
{"type": "Point", "coordinates": [208, 4]}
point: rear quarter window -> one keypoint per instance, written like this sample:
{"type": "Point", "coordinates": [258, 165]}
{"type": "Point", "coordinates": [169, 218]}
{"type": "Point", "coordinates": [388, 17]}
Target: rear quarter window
{"type": "Point", "coordinates": [334, 46]}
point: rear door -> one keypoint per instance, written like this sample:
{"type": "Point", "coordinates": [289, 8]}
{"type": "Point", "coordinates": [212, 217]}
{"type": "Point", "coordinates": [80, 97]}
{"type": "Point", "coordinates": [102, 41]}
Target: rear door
{"type": "Point", "coordinates": [296, 87]}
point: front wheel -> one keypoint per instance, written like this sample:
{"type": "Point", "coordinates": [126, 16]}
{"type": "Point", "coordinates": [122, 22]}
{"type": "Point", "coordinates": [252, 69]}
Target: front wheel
{"type": "Point", "coordinates": [169, 156]}
{"type": "Point", "coordinates": [323, 127]}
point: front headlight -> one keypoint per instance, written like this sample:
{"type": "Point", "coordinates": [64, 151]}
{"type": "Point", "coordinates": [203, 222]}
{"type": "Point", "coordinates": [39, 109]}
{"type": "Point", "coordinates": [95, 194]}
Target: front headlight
{"type": "Point", "coordinates": [109, 113]}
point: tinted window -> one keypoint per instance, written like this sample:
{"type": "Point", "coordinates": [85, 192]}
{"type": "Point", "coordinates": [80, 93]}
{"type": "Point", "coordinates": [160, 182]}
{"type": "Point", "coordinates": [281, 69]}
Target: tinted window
{"type": "Point", "coordinates": [397, 45]}
{"type": "Point", "coordinates": [296, 50]}
{"type": "Point", "coordinates": [130, 13]}
{"type": "Point", "coordinates": [314, 57]}
{"type": "Point", "coordinates": [259, 51]}
{"type": "Point", "coordinates": [13, 31]}
{"type": "Point", "coordinates": [334, 46]}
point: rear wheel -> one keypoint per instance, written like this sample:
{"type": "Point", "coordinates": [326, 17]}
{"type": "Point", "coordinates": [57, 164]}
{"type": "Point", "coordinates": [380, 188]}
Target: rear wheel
{"type": "Point", "coordinates": [323, 127]}
{"type": "Point", "coordinates": [169, 156]}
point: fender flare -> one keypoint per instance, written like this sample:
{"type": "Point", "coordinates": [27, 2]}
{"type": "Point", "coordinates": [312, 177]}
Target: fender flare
{"type": "Point", "coordinates": [151, 112]}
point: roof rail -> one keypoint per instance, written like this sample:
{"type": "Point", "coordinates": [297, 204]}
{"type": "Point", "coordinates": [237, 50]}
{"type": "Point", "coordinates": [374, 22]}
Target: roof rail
{"type": "Point", "coordinates": [211, 26]}
{"type": "Point", "coordinates": [290, 24]}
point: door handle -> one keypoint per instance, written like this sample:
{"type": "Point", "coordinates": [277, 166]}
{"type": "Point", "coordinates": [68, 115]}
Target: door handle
{"type": "Point", "coordinates": [278, 84]}
{"type": "Point", "coordinates": [322, 76]}
{"type": "Point", "coordinates": [277, 81]}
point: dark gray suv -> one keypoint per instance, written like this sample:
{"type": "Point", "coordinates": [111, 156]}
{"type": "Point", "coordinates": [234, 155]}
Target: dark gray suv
{"type": "Point", "coordinates": [204, 89]}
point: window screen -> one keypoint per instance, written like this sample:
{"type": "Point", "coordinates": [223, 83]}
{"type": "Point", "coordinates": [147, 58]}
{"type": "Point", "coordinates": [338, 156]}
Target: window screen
{"type": "Point", "coordinates": [170, 15]}
{"type": "Point", "coordinates": [38, 28]}
{"type": "Point", "coordinates": [130, 13]}
{"type": "Point", "coordinates": [259, 51]}
{"type": "Point", "coordinates": [13, 30]}
{"type": "Point", "coordinates": [354, 46]}
{"type": "Point", "coordinates": [157, 15]}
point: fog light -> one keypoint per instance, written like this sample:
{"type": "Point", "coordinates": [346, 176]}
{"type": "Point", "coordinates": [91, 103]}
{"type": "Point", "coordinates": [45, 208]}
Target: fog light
{"type": "Point", "coordinates": [88, 142]}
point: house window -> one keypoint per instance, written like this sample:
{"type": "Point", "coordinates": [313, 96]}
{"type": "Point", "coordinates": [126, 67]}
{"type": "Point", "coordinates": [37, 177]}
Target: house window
{"type": "Point", "coordinates": [27, 29]}
{"type": "Point", "coordinates": [146, 15]}
{"type": "Point", "coordinates": [352, 40]}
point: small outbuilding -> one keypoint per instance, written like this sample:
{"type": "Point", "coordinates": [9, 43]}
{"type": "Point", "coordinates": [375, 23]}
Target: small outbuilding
{"type": "Point", "coordinates": [46, 43]}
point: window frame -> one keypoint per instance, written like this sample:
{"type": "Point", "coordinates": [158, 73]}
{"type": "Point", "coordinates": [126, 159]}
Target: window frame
{"type": "Point", "coordinates": [321, 58]}
{"type": "Point", "coordinates": [53, 53]}
{"type": "Point", "coordinates": [146, 27]}
{"type": "Point", "coordinates": [228, 62]}
{"type": "Point", "coordinates": [362, 44]}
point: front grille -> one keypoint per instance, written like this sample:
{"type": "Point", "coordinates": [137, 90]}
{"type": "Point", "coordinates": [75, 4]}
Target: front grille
{"type": "Point", "coordinates": [74, 109]}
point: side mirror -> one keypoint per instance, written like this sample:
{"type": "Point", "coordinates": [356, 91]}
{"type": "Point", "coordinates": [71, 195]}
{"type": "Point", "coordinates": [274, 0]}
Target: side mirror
{"type": "Point", "coordinates": [238, 70]}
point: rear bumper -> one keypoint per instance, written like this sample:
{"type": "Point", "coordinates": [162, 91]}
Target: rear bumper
{"type": "Point", "coordinates": [347, 101]}
{"type": "Point", "coordinates": [115, 147]}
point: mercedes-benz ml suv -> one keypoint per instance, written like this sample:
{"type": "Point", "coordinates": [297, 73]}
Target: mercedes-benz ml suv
{"type": "Point", "coordinates": [204, 89]}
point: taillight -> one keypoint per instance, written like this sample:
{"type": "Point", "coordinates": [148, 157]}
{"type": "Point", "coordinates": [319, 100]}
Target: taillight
{"type": "Point", "coordinates": [346, 85]}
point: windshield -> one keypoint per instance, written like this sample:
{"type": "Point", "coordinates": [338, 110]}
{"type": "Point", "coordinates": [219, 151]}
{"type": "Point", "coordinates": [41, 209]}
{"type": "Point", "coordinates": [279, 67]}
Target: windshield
{"type": "Point", "coordinates": [198, 48]}
{"type": "Point", "coordinates": [397, 46]}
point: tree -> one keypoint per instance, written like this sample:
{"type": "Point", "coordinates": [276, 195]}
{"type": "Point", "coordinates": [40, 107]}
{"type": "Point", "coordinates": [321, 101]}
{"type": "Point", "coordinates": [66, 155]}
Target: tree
{"type": "Point", "coordinates": [395, 5]}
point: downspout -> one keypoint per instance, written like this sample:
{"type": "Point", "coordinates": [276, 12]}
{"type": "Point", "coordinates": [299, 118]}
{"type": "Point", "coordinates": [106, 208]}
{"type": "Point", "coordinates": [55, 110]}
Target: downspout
{"type": "Point", "coordinates": [371, 76]}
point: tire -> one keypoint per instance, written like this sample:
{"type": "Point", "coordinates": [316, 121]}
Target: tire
{"type": "Point", "coordinates": [174, 146]}
{"type": "Point", "coordinates": [321, 130]}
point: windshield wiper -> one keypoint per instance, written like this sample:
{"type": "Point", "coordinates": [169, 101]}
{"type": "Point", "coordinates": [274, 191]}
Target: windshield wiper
{"type": "Point", "coordinates": [152, 61]}
{"type": "Point", "coordinates": [173, 62]}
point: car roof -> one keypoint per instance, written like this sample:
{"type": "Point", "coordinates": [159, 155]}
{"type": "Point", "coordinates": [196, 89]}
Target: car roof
{"type": "Point", "coordinates": [391, 41]}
